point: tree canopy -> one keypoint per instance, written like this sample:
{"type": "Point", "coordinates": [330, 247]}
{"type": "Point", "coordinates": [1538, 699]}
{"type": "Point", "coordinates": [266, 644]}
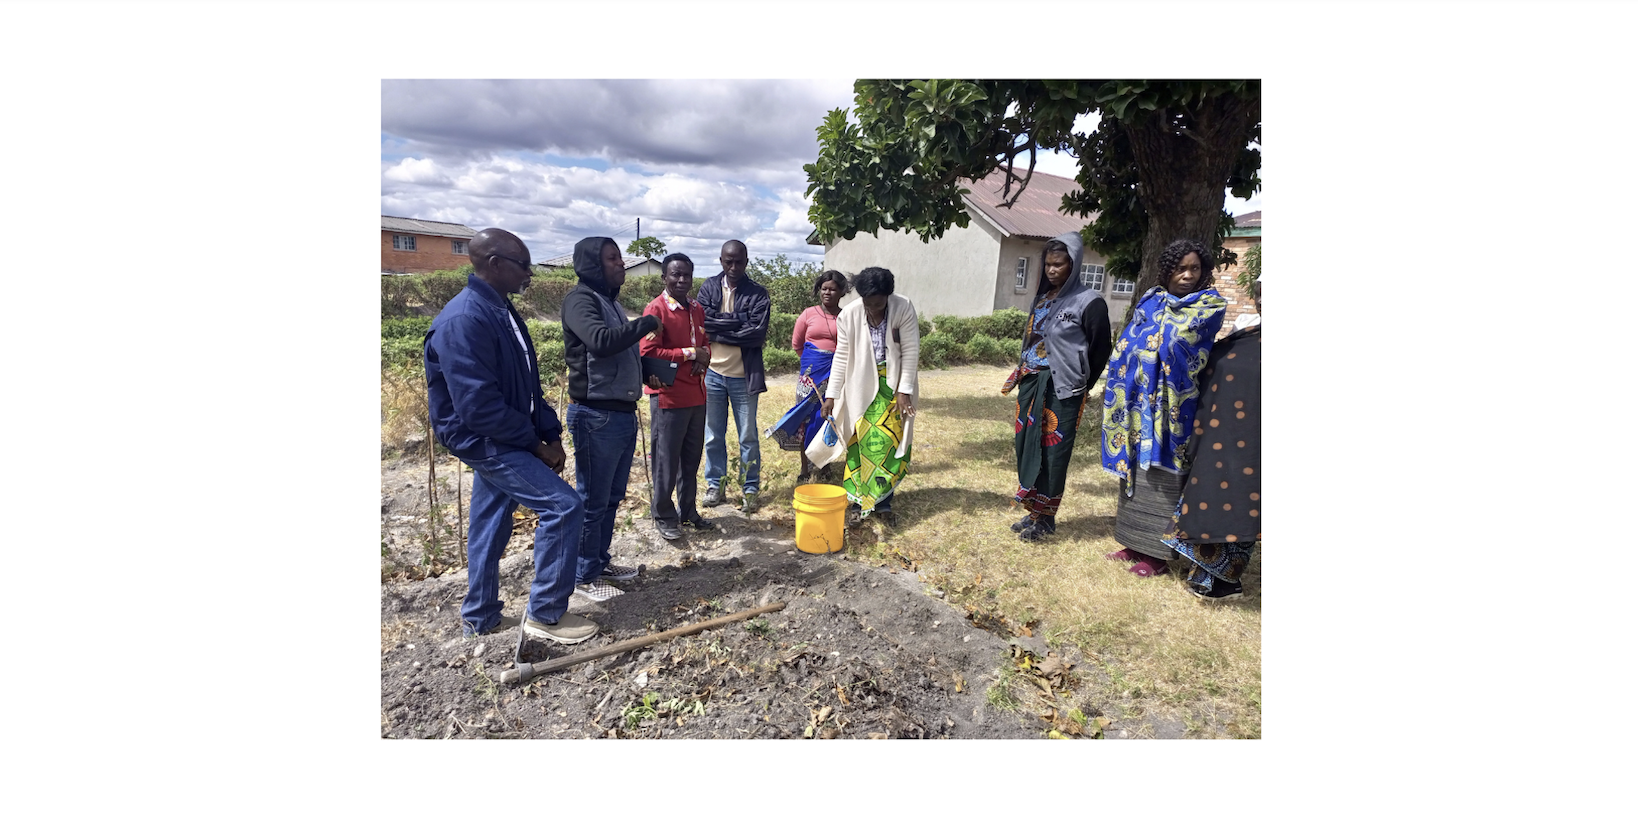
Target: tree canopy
{"type": "Point", "coordinates": [1153, 170]}
{"type": "Point", "coordinates": [648, 247]}
{"type": "Point", "coordinates": [789, 288]}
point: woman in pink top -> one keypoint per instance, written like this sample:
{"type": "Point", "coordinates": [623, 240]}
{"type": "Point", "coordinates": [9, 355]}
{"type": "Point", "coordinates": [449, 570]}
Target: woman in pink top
{"type": "Point", "coordinates": [814, 336]}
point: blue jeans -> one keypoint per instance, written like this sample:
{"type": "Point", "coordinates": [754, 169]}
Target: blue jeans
{"type": "Point", "coordinates": [499, 485]}
{"type": "Point", "coordinates": [604, 442]}
{"type": "Point", "coordinates": [721, 391]}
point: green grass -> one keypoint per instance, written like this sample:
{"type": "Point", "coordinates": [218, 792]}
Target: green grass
{"type": "Point", "coordinates": [1163, 651]}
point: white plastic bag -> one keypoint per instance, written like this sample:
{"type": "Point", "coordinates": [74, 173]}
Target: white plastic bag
{"type": "Point", "coordinates": [828, 446]}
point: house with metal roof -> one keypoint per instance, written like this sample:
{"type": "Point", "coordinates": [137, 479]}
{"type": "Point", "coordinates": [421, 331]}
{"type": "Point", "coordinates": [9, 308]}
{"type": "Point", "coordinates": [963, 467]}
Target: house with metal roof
{"type": "Point", "coordinates": [992, 263]}
{"type": "Point", "coordinates": [1247, 233]}
{"type": "Point", "coordinates": [415, 245]}
{"type": "Point", "coordinates": [634, 266]}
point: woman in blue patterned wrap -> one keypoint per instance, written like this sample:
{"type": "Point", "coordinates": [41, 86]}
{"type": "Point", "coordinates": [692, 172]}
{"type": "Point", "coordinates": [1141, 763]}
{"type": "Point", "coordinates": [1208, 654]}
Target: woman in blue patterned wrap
{"type": "Point", "coordinates": [1150, 395]}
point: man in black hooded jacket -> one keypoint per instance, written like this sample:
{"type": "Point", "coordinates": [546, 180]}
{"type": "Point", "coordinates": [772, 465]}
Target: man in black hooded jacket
{"type": "Point", "coordinates": [605, 382]}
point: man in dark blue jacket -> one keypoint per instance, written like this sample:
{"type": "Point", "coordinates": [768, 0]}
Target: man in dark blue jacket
{"type": "Point", "coordinates": [605, 382]}
{"type": "Point", "coordinates": [483, 392]}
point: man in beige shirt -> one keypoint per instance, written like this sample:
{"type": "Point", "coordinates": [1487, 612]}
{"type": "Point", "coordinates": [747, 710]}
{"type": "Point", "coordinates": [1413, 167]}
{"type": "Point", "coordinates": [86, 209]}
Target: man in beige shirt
{"type": "Point", "coordinates": [736, 322]}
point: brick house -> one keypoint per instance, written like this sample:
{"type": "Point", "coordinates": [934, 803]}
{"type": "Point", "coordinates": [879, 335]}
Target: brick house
{"type": "Point", "coordinates": [992, 263]}
{"type": "Point", "coordinates": [413, 245]}
{"type": "Point", "coordinates": [1247, 233]}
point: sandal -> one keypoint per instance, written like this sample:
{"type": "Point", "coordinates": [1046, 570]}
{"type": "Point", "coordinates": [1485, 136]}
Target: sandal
{"type": "Point", "coordinates": [1147, 567]}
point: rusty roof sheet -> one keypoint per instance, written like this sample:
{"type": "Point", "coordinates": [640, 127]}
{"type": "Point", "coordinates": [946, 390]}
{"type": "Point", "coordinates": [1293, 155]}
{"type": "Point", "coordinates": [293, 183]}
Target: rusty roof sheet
{"type": "Point", "coordinates": [1035, 214]}
{"type": "Point", "coordinates": [393, 223]}
{"type": "Point", "coordinates": [567, 261]}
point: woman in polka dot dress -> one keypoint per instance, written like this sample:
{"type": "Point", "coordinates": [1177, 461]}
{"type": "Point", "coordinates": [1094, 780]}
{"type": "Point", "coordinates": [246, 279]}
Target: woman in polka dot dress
{"type": "Point", "coordinates": [1219, 521]}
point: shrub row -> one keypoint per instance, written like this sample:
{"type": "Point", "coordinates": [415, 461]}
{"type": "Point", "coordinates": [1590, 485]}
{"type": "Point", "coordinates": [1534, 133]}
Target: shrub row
{"type": "Point", "coordinates": [941, 350]}
{"type": "Point", "coordinates": [991, 339]}
{"type": "Point", "coordinates": [1007, 324]}
{"type": "Point", "coordinates": [425, 294]}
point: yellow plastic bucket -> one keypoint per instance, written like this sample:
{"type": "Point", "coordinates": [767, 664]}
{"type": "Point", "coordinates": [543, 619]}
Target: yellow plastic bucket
{"type": "Point", "coordinates": [820, 509]}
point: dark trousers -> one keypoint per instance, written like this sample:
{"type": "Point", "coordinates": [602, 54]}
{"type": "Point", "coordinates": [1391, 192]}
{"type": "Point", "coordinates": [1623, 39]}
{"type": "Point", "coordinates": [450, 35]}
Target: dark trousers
{"type": "Point", "coordinates": [679, 440]}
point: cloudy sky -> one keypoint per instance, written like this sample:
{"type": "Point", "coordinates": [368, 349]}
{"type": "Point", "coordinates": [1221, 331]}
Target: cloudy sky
{"type": "Point", "coordinates": [698, 161]}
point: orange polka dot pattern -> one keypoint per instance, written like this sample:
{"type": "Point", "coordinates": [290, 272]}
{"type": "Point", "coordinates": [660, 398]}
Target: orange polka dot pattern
{"type": "Point", "coordinates": [1227, 507]}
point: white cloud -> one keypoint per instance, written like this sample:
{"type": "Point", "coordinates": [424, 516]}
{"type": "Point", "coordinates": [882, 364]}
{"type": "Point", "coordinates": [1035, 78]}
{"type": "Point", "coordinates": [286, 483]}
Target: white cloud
{"type": "Point", "coordinates": [416, 171]}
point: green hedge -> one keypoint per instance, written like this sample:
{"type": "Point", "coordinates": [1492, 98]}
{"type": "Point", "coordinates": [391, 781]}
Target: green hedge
{"type": "Point", "coordinates": [780, 359]}
{"type": "Point", "coordinates": [1007, 324]}
{"type": "Point", "coordinates": [408, 303]}
{"type": "Point", "coordinates": [416, 327]}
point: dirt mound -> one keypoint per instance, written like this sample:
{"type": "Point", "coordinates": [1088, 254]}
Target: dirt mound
{"type": "Point", "coordinates": [859, 651]}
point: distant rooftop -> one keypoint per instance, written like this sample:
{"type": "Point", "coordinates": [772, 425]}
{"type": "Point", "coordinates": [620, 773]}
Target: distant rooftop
{"type": "Point", "coordinates": [393, 223]}
{"type": "Point", "coordinates": [1035, 214]}
{"type": "Point", "coordinates": [567, 261]}
{"type": "Point", "coordinates": [1248, 225]}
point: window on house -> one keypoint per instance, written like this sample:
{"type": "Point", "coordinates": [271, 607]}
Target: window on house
{"type": "Point", "coordinates": [1021, 279]}
{"type": "Point", "coordinates": [457, 247]}
{"type": "Point", "coordinates": [404, 243]}
{"type": "Point", "coordinates": [1122, 287]}
{"type": "Point", "coordinates": [1092, 276]}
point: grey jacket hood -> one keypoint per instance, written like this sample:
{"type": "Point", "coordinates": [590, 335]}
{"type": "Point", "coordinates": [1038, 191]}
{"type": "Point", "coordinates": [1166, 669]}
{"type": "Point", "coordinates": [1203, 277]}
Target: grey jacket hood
{"type": "Point", "coordinates": [1077, 333]}
{"type": "Point", "coordinates": [1072, 240]}
{"type": "Point", "coordinates": [588, 264]}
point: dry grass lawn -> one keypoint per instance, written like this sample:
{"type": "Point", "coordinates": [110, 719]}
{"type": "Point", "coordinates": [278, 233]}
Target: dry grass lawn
{"type": "Point", "coordinates": [1159, 650]}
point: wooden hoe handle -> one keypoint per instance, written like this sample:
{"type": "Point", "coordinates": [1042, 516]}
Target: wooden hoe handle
{"type": "Point", "coordinates": [520, 673]}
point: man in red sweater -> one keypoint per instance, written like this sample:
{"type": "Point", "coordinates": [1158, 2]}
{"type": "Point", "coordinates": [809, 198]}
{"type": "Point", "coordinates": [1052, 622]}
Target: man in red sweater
{"type": "Point", "coordinates": [678, 411]}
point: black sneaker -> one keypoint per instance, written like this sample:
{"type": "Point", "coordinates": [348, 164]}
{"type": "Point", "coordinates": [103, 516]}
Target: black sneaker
{"type": "Point", "coordinates": [1043, 527]}
{"type": "Point", "coordinates": [669, 532]}
{"type": "Point", "coordinates": [701, 524]}
{"type": "Point", "coordinates": [713, 497]}
{"type": "Point", "coordinates": [1220, 591]}
{"type": "Point", "coordinates": [854, 517]}
{"type": "Point", "coordinates": [1023, 524]}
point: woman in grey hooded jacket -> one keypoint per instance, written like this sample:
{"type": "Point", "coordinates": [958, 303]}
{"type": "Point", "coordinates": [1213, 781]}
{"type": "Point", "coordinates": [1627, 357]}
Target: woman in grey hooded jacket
{"type": "Point", "coordinates": [1066, 345]}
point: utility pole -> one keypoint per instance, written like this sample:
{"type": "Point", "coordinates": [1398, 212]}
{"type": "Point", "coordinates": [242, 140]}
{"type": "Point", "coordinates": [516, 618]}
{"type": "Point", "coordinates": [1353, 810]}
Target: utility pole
{"type": "Point", "coordinates": [639, 229]}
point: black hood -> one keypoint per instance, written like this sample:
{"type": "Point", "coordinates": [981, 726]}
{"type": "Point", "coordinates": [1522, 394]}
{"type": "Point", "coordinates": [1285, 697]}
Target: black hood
{"type": "Point", "coordinates": [588, 264]}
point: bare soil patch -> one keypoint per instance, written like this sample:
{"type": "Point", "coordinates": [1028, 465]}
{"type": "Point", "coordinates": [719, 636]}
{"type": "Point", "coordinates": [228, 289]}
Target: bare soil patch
{"type": "Point", "coordinates": [860, 651]}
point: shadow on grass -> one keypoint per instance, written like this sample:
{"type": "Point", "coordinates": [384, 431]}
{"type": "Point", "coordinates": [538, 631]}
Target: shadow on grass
{"type": "Point", "coordinates": [972, 407]}
{"type": "Point", "coordinates": [914, 506]}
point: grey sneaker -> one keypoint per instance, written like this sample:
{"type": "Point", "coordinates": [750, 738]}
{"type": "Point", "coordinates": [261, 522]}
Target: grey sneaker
{"type": "Point", "coordinates": [749, 502]}
{"type": "Point", "coordinates": [713, 496]}
{"type": "Point", "coordinates": [506, 622]}
{"type": "Point", "coordinates": [570, 628]}
{"type": "Point", "coordinates": [621, 574]}
{"type": "Point", "coordinates": [599, 591]}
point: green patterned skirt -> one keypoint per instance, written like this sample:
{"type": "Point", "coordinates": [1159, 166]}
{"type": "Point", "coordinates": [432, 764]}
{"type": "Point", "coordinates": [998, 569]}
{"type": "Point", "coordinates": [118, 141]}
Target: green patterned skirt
{"type": "Point", "coordinates": [873, 465]}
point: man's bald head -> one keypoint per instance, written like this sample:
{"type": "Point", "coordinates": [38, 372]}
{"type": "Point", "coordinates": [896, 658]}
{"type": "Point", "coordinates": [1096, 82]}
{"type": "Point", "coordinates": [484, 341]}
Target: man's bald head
{"type": "Point", "coordinates": [501, 260]}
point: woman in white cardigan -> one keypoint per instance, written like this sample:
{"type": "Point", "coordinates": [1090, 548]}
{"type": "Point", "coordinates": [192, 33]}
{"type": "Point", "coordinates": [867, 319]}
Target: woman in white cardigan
{"type": "Point", "coordinates": [873, 406]}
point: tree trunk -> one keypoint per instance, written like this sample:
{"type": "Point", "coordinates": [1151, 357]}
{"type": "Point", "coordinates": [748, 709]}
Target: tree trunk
{"type": "Point", "coordinates": [1181, 177]}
